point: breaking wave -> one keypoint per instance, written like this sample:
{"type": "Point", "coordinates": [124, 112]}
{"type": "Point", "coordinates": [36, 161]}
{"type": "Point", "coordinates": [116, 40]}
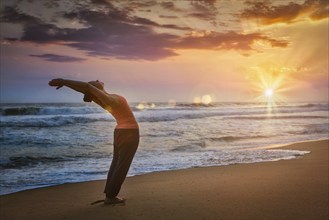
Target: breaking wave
{"type": "Point", "coordinates": [61, 115]}
{"type": "Point", "coordinates": [21, 161]}
{"type": "Point", "coordinates": [53, 110]}
{"type": "Point", "coordinates": [52, 121]}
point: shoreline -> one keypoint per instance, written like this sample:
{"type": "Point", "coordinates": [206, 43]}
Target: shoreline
{"type": "Point", "coordinates": [293, 189]}
{"type": "Point", "coordinates": [274, 146]}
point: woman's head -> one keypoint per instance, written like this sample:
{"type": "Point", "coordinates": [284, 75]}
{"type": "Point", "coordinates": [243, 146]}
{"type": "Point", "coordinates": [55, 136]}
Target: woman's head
{"type": "Point", "coordinates": [97, 84]}
{"type": "Point", "coordinates": [100, 85]}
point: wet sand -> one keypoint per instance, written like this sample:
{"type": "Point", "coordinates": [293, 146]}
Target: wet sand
{"type": "Point", "coordinates": [286, 189]}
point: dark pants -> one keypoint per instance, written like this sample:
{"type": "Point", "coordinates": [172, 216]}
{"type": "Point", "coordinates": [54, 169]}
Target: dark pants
{"type": "Point", "coordinates": [125, 145]}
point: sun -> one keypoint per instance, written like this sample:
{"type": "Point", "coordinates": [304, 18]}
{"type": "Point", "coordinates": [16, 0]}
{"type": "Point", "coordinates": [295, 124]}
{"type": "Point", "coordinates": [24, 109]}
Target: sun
{"type": "Point", "coordinates": [269, 87]}
{"type": "Point", "coordinates": [270, 83]}
{"type": "Point", "coordinates": [269, 98]}
{"type": "Point", "coordinates": [269, 93]}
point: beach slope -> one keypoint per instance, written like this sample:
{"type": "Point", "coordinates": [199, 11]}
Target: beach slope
{"type": "Point", "coordinates": [287, 189]}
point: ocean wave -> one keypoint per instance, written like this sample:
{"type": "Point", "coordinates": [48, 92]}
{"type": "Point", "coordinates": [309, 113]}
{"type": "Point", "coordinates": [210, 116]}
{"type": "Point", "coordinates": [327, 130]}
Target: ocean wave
{"type": "Point", "coordinates": [52, 121]}
{"type": "Point", "coordinates": [245, 105]}
{"type": "Point", "coordinates": [252, 156]}
{"type": "Point", "coordinates": [252, 113]}
{"type": "Point", "coordinates": [50, 110]}
{"type": "Point", "coordinates": [195, 105]}
{"type": "Point", "coordinates": [99, 172]}
{"type": "Point", "coordinates": [62, 120]}
{"type": "Point", "coordinates": [196, 146]}
{"type": "Point", "coordinates": [163, 134]}
{"type": "Point", "coordinates": [235, 138]}
{"type": "Point", "coordinates": [59, 115]}
{"type": "Point", "coordinates": [21, 111]}
{"type": "Point", "coordinates": [22, 161]}
{"type": "Point", "coordinates": [73, 109]}
{"type": "Point", "coordinates": [266, 117]}
{"type": "Point", "coordinates": [16, 162]}
{"type": "Point", "coordinates": [189, 147]}
{"type": "Point", "coordinates": [310, 105]}
{"type": "Point", "coordinates": [313, 129]}
{"type": "Point", "coordinates": [323, 106]}
{"type": "Point", "coordinates": [177, 115]}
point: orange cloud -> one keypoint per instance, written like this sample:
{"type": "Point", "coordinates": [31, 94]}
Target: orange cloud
{"type": "Point", "coordinates": [265, 13]}
{"type": "Point", "coordinates": [229, 40]}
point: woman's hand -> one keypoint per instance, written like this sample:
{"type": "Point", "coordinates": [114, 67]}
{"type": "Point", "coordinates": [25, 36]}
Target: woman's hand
{"type": "Point", "coordinates": [57, 82]}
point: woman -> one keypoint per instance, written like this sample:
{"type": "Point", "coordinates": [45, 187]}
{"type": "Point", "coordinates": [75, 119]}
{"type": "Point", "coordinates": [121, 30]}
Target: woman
{"type": "Point", "coordinates": [126, 133]}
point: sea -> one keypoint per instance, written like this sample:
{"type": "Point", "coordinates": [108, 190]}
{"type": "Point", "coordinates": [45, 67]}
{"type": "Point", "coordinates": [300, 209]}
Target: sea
{"type": "Point", "coordinates": [55, 143]}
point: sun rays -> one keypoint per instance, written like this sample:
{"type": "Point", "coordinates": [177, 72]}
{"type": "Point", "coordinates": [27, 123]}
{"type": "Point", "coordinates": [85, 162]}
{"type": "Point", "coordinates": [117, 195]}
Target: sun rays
{"type": "Point", "coordinates": [269, 84]}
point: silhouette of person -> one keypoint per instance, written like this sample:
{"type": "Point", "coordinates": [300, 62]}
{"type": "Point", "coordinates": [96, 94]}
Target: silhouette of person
{"type": "Point", "coordinates": [126, 132]}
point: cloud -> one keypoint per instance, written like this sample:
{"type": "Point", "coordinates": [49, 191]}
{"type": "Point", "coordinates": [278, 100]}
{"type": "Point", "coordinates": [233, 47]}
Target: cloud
{"type": "Point", "coordinates": [205, 2]}
{"type": "Point", "coordinates": [12, 15]}
{"type": "Point", "coordinates": [201, 9]}
{"type": "Point", "coordinates": [227, 41]}
{"type": "Point", "coordinates": [137, 47]}
{"type": "Point", "coordinates": [168, 16]}
{"type": "Point", "coordinates": [141, 4]}
{"type": "Point", "coordinates": [101, 2]}
{"type": "Point", "coordinates": [204, 9]}
{"type": "Point", "coordinates": [114, 33]}
{"type": "Point", "coordinates": [145, 21]}
{"type": "Point", "coordinates": [201, 15]}
{"type": "Point", "coordinates": [58, 58]}
{"type": "Point", "coordinates": [265, 13]}
{"type": "Point", "coordinates": [169, 6]}
{"type": "Point", "coordinates": [321, 9]}
{"type": "Point", "coordinates": [111, 34]}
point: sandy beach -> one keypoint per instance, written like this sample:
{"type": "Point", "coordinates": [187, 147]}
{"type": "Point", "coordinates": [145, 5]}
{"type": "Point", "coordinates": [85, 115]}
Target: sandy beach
{"type": "Point", "coordinates": [287, 189]}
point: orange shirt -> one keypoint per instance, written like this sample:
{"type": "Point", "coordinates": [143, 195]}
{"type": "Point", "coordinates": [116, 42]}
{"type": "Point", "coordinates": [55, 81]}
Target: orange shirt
{"type": "Point", "coordinates": [123, 115]}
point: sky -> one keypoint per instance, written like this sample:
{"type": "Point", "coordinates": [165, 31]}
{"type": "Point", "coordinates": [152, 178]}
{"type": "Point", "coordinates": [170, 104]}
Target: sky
{"type": "Point", "coordinates": [159, 51]}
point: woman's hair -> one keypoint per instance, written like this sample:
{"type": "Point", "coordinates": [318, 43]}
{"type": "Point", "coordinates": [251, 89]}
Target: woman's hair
{"type": "Point", "coordinates": [97, 84]}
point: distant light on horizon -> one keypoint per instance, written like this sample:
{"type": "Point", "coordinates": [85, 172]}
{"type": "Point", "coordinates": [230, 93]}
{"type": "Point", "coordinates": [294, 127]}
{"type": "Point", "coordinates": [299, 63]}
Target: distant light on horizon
{"type": "Point", "coordinates": [145, 105]}
{"type": "Point", "coordinates": [205, 99]}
